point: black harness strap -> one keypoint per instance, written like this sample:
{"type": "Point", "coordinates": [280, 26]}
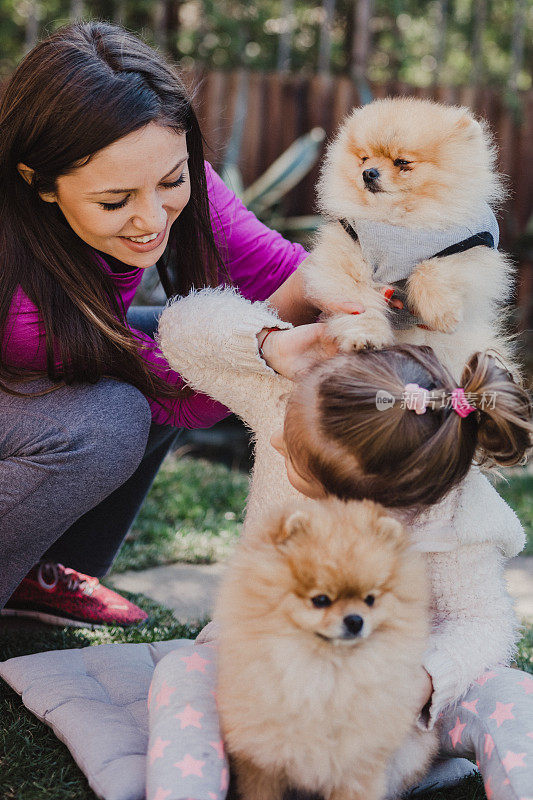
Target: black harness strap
{"type": "Point", "coordinates": [484, 238]}
{"type": "Point", "coordinates": [349, 230]}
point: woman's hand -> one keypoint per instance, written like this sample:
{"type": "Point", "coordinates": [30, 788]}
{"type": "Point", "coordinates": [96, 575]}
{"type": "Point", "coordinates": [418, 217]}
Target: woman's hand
{"type": "Point", "coordinates": [289, 352]}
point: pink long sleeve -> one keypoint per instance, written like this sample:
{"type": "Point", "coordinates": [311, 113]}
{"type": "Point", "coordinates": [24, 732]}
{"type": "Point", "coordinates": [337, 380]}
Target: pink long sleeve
{"type": "Point", "coordinates": [258, 260]}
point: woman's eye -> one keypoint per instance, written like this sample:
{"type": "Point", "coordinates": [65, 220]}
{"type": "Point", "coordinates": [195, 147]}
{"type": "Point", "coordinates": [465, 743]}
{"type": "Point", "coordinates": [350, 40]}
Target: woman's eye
{"type": "Point", "coordinates": [113, 206]}
{"type": "Point", "coordinates": [401, 162]}
{"type": "Point", "coordinates": [172, 185]}
{"type": "Point", "coordinates": [369, 599]}
{"type": "Point", "coordinates": [321, 601]}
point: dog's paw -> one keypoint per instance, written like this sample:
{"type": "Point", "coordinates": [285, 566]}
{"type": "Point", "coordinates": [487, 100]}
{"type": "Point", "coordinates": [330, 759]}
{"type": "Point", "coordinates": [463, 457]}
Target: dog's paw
{"type": "Point", "coordinates": [434, 301]}
{"type": "Point", "coordinates": [366, 331]}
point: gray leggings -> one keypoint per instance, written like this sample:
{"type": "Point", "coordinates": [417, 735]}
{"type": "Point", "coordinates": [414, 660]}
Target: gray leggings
{"type": "Point", "coordinates": [75, 466]}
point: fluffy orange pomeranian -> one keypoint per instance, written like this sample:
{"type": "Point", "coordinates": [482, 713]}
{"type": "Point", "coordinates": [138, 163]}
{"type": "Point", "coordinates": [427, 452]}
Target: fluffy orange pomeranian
{"type": "Point", "coordinates": [317, 604]}
{"type": "Point", "coordinates": [407, 190]}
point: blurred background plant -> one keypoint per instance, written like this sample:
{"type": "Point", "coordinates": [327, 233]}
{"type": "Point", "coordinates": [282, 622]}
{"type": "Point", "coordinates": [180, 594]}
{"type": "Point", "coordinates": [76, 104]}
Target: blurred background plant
{"type": "Point", "coordinates": [419, 42]}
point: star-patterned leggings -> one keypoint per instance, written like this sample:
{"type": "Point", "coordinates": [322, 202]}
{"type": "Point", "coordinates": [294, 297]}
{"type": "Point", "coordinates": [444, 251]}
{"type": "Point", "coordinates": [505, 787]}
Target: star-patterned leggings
{"type": "Point", "coordinates": [492, 723]}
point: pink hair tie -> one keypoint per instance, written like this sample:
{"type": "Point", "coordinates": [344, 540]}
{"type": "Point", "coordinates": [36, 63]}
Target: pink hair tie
{"type": "Point", "coordinates": [460, 404]}
{"type": "Point", "coordinates": [416, 398]}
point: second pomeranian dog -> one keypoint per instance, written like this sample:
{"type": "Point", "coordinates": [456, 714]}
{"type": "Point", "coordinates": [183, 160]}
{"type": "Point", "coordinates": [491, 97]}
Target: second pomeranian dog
{"type": "Point", "coordinates": [406, 190]}
{"type": "Point", "coordinates": [323, 623]}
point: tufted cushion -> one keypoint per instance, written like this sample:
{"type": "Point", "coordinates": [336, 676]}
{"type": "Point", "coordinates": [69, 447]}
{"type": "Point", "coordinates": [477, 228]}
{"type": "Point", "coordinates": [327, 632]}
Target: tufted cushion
{"type": "Point", "coordinates": [94, 699]}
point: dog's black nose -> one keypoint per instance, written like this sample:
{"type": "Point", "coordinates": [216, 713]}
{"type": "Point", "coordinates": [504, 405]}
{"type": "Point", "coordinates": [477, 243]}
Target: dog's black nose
{"type": "Point", "coordinates": [353, 623]}
{"type": "Point", "coordinates": [370, 175]}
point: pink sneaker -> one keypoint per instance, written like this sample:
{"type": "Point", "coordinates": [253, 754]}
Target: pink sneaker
{"type": "Point", "coordinates": [58, 595]}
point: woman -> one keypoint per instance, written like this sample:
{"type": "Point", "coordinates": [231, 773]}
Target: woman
{"type": "Point", "coordinates": [102, 175]}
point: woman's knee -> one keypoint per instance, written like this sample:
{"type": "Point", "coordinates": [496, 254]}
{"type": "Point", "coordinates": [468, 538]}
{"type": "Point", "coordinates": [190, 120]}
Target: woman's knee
{"type": "Point", "coordinates": [96, 430]}
{"type": "Point", "coordinates": [114, 427]}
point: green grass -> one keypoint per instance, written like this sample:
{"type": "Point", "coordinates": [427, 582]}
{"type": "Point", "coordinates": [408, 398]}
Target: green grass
{"type": "Point", "coordinates": [193, 513]}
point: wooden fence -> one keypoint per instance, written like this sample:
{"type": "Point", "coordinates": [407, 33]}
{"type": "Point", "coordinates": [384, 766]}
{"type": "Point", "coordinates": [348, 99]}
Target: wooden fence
{"type": "Point", "coordinates": [280, 107]}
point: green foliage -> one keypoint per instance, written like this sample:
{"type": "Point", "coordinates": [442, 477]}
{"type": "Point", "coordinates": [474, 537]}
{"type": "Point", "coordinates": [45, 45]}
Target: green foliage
{"type": "Point", "coordinates": [407, 36]}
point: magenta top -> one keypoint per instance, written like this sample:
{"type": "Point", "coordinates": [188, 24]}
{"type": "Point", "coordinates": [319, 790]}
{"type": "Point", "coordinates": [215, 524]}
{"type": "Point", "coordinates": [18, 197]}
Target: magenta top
{"type": "Point", "coordinates": [258, 261]}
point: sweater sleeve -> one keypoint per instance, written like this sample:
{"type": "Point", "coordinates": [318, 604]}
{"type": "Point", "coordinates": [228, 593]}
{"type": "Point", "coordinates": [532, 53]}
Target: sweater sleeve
{"type": "Point", "coordinates": [474, 624]}
{"type": "Point", "coordinates": [257, 258]}
{"type": "Point", "coordinates": [210, 338]}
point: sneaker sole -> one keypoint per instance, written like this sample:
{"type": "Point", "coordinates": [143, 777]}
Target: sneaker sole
{"type": "Point", "coordinates": [50, 619]}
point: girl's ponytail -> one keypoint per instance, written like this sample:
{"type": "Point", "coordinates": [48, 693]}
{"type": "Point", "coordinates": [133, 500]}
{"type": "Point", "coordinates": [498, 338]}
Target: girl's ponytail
{"type": "Point", "coordinates": [351, 425]}
{"type": "Point", "coordinates": [504, 411]}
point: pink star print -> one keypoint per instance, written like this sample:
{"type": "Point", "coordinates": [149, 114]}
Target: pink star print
{"type": "Point", "coordinates": [161, 794]}
{"type": "Point", "coordinates": [213, 796]}
{"type": "Point", "coordinates": [489, 791]}
{"type": "Point", "coordinates": [530, 734]}
{"type": "Point", "coordinates": [527, 683]}
{"type": "Point", "coordinates": [482, 680]}
{"type": "Point", "coordinates": [189, 716]}
{"type": "Point", "coordinates": [224, 780]}
{"type": "Point", "coordinates": [471, 706]}
{"type": "Point", "coordinates": [158, 749]}
{"type": "Point", "coordinates": [513, 760]}
{"type": "Point", "coordinates": [489, 745]}
{"type": "Point", "coordinates": [457, 732]}
{"type": "Point", "coordinates": [195, 662]}
{"type": "Point", "coordinates": [163, 696]}
{"type": "Point", "coordinates": [190, 766]}
{"type": "Point", "coordinates": [502, 712]}
{"type": "Point", "coordinates": [219, 747]}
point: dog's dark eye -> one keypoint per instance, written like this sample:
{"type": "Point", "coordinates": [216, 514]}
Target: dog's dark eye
{"type": "Point", "coordinates": [369, 599]}
{"type": "Point", "coordinates": [401, 162]}
{"type": "Point", "coordinates": [364, 158]}
{"type": "Point", "coordinates": [321, 601]}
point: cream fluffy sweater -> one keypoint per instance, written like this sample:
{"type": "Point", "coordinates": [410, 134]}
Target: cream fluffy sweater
{"type": "Point", "coordinates": [210, 338]}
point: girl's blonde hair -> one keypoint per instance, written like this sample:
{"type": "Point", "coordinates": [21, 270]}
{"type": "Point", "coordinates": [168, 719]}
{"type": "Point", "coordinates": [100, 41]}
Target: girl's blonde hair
{"type": "Point", "coordinates": [395, 456]}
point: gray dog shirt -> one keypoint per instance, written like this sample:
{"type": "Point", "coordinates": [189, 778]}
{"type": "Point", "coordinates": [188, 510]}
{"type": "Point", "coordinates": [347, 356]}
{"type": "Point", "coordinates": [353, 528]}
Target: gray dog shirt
{"type": "Point", "coordinates": [393, 251]}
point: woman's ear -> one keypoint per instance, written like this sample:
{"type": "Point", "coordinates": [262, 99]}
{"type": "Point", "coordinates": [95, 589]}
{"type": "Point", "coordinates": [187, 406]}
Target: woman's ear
{"type": "Point", "coordinates": [27, 174]}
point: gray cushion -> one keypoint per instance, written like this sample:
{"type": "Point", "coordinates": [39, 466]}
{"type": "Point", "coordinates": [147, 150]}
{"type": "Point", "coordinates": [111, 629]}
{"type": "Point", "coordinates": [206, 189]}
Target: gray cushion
{"type": "Point", "coordinates": [94, 699]}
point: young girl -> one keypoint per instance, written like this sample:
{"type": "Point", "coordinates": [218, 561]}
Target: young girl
{"type": "Point", "coordinates": [414, 457]}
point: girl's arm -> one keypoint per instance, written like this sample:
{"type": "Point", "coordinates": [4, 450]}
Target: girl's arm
{"type": "Point", "coordinates": [210, 338]}
{"type": "Point", "coordinates": [474, 625]}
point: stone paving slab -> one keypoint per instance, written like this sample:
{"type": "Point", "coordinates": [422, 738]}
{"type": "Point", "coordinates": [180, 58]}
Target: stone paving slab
{"type": "Point", "coordinates": [190, 589]}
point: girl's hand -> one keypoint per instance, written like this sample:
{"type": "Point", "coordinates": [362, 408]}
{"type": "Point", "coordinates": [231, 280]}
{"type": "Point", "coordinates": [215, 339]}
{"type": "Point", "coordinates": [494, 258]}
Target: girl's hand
{"type": "Point", "coordinates": [289, 352]}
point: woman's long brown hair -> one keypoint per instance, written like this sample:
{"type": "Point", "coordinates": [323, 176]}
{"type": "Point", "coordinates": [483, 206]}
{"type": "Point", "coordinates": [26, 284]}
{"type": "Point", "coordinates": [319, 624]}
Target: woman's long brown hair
{"type": "Point", "coordinates": [76, 92]}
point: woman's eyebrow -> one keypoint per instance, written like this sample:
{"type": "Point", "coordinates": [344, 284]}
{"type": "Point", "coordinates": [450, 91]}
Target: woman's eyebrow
{"type": "Point", "coordinates": [124, 191]}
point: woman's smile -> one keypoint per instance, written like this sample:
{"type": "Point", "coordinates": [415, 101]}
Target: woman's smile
{"type": "Point", "coordinates": [147, 243]}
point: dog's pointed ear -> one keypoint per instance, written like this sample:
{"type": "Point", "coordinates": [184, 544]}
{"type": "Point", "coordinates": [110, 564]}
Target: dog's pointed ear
{"type": "Point", "coordinates": [291, 524]}
{"type": "Point", "coordinates": [392, 530]}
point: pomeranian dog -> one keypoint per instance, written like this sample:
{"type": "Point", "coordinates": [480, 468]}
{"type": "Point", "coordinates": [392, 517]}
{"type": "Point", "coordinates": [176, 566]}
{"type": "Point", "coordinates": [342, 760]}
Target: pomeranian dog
{"type": "Point", "coordinates": [407, 190]}
{"type": "Point", "coordinates": [323, 619]}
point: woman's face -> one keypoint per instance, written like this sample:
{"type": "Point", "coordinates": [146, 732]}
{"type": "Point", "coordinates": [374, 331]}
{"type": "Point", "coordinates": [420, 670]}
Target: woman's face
{"type": "Point", "coordinates": [133, 188]}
